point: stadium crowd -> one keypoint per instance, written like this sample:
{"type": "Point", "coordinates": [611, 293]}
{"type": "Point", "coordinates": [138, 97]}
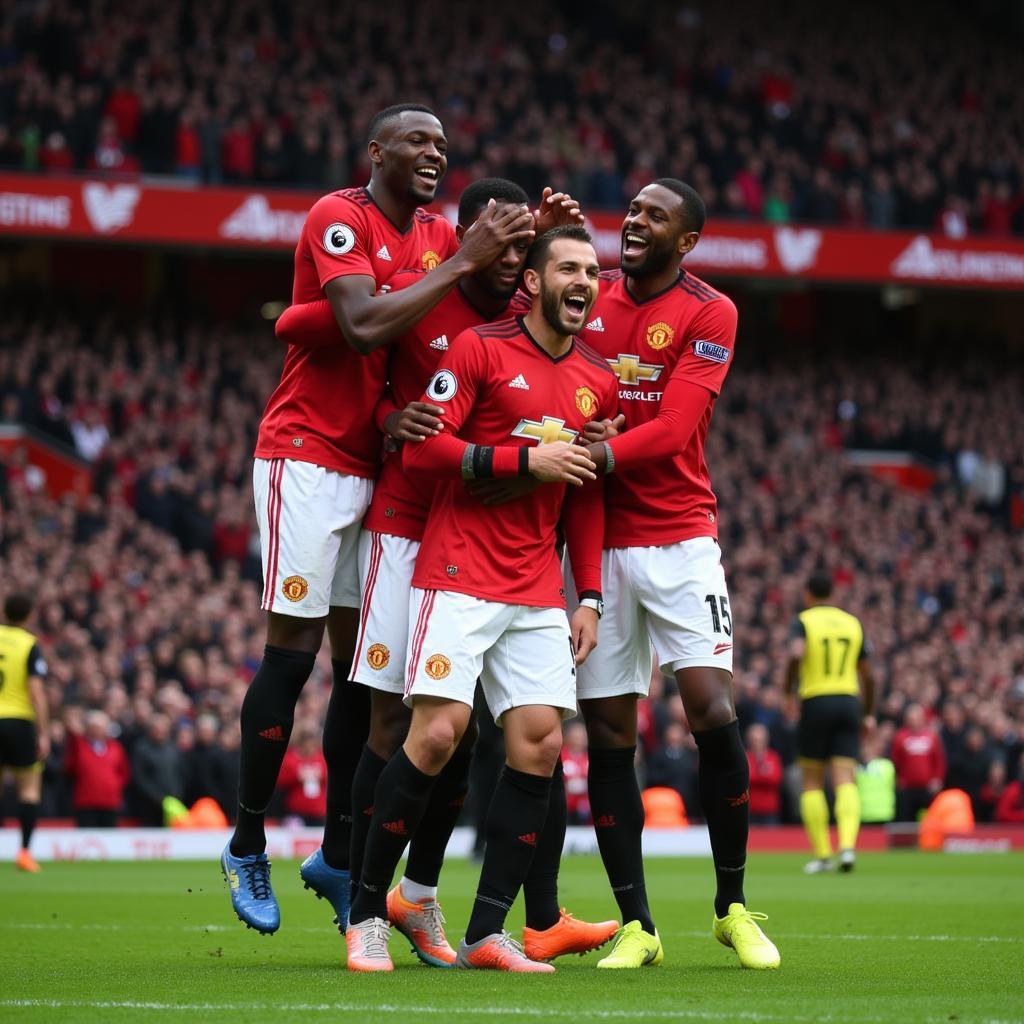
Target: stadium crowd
{"type": "Point", "coordinates": [890, 115]}
{"type": "Point", "coordinates": [148, 591]}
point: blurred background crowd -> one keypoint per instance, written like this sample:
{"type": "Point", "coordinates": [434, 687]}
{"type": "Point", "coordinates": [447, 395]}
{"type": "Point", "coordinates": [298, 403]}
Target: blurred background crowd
{"type": "Point", "coordinates": [148, 592]}
{"type": "Point", "coordinates": [885, 115]}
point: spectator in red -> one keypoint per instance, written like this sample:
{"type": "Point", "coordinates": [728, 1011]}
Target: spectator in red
{"type": "Point", "coordinates": [765, 777]}
{"type": "Point", "coordinates": [1010, 808]}
{"type": "Point", "coordinates": [98, 768]}
{"type": "Point", "coordinates": [575, 765]}
{"type": "Point", "coordinates": [920, 764]}
{"type": "Point", "coordinates": [303, 779]}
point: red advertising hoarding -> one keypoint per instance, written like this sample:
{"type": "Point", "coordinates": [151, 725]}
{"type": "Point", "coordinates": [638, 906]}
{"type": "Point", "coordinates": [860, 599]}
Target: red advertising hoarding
{"type": "Point", "coordinates": [142, 213]}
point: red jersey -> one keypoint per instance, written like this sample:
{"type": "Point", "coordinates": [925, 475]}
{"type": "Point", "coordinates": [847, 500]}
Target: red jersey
{"type": "Point", "coordinates": [400, 502]}
{"type": "Point", "coordinates": [918, 757]}
{"type": "Point", "coordinates": [322, 410]}
{"type": "Point", "coordinates": [500, 388]}
{"type": "Point", "coordinates": [303, 780]}
{"type": "Point", "coordinates": [685, 333]}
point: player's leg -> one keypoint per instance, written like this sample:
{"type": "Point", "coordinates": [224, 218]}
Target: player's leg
{"type": "Point", "coordinates": [844, 756]}
{"type": "Point", "coordinates": [814, 814]}
{"type": "Point", "coordinates": [528, 679]}
{"type": "Point", "coordinates": [682, 587]}
{"type": "Point", "coordinates": [28, 782]}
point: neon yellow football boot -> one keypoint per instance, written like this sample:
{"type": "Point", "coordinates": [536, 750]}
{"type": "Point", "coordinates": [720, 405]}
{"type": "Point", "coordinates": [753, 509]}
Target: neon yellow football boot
{"type": "Point", "coordinates": [739, 929]}
{"type": "Point", "coordinates": [633, 948]}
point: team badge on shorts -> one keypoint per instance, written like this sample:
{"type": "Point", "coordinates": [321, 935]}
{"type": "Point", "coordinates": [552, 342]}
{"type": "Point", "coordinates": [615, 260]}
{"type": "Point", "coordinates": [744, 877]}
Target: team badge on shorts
{"type": "Point", "coordinates": [430, 260]}
{"type": "Point", "coordinates": [586, 402]}
{"type": "Point", "coordinates": [660, 335]}
{"type": "Point", "coordinates": [438, 666]}
{"type": "Point", "coordinates": [295, 588]}
{"type": "Point", "coordinates": [378, 656]}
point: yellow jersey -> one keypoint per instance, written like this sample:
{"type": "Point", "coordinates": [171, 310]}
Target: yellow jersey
{"type": "Point", "coordinates": [19, 660]}
{"type": "Point", "coordinates": [834, 645]}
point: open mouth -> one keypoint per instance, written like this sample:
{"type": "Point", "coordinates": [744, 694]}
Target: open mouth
{"type": "Point", "coordinates": [634, 244]}
{"type": "Point", "coordinates": [575, 306]}
{"type": "Point", "coordinates": [428, 174]}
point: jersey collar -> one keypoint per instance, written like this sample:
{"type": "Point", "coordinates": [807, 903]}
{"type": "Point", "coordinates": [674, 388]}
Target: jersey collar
{"type": "Point", "coordinates": [521, 320]}
{"type": "Point", "coordinates": [376, 206]}
{"type": "Point", "coordinates": [656, 295]}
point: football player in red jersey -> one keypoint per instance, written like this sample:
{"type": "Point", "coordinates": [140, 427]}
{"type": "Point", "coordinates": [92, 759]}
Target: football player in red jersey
{"type": "Point", "coordinates": [669, 337]}
{"type": "Point", "coordinates": [488, 600]}
{"type": "Point", "coordinates": [316, 459]}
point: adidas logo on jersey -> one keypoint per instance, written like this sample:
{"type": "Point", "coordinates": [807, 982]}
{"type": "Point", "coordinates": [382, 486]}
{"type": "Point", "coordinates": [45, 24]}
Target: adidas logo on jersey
{"type": "Point", "coordinates": [596, 324]}
{"type": "Point", "coordinates": [519, 381]}
{"type": "Point", "coordinates": [383, 254]}
{"type": "Point", "coordinates": [441, 344]}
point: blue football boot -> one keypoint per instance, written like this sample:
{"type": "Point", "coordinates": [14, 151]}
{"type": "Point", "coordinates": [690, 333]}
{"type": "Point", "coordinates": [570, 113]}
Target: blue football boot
{"type": "Point", "coordinates": [327, 883]}
{"type": "Point", "coordinates": [253, 900]}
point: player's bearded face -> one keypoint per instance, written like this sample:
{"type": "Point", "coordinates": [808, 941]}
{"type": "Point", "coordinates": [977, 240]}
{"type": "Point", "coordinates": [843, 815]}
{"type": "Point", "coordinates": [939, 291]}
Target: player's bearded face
{"type": "Point", "coordinates": [566, 307]}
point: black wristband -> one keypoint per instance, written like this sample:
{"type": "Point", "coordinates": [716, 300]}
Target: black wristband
{"type": "Point", "coordinates": [483, 461]}
{"type": "Point", "coordinates": [524, 461]}
{"type": "Point", "coordinates": [593, 594]}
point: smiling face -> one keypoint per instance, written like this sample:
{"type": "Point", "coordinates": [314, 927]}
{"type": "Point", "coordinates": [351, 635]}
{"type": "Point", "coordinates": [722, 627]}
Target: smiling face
{"type": "Point", "coordinates": [654, 235]}
{"type": "Point", "coordinates": [500, 278]}
{"type": "Point", "coordinates": [567, 285]}
{"type": "Point", "coordinates": [409, 155]}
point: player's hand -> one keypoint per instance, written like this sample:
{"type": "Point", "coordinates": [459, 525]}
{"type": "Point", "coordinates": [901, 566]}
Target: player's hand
{"type": "Point", "coordinates": [494, 230]}
{"type": "Point", "coordinates": [42, 746]}
{"type": "Point", "coordinates": [868, 725]}
{"type": "Point", "coordinates": [556, 209]}
{"type": "Point", "coordinates": [791, 707]}
{"type": "Point", "coordinates": [599, 431]}
{"type": "Point", "coordinates": [416, 422]}
{"type": "Point", "coordinates": [498, 492]}
{"type": "Point", "coordinates": [584, 633]}
{"type": "Point", "coordinates": [562, 463]}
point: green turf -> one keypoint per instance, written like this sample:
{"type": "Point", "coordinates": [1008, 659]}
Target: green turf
{"type": "Point", "coordinates": [907, 937]}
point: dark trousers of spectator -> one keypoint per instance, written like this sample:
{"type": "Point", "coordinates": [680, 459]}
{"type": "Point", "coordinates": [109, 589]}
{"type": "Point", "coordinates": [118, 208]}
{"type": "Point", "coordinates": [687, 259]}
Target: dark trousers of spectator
{"type": "Point", "coordinates": [95, 819]}
{"type": "Point", "coordinates": [910, 801]}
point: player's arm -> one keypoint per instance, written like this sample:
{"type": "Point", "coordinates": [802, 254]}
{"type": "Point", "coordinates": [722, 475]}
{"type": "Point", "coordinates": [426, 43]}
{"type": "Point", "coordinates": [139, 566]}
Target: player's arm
{"type": "Point", "coordinates": [796, 650]}
{"type": "Point", "coordinates": [867, 685]}
{"type": "Point", "coordinates": [583, 516]}
{"type": "Point", "coordinates": [556, 209]}
{"type": "Point", "coordinates": [695, 381]}
{"type": "Point", "coordinates": [37, 695]}
{"type": "Point", "coordinates": [368, 318]}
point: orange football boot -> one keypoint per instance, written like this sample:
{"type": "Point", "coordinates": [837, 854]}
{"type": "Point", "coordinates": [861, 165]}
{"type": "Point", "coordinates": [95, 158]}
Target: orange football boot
{"type": "Point", "coordinates": [422, 923]}
{"type": "Point", "coordinates": [366, 946]}
{"type": "Point", "coordinates": [26, 862]}
{"type": "Point", "coordinates": [499, 952]}
{"type": "Point", "coordinates": [567, 935]}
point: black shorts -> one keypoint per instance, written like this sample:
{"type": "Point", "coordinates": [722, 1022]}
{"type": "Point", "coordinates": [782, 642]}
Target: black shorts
{"type": "Point", "coordinates": [829, 727]}
{"type": "Point", "coordinates": [17, 743]}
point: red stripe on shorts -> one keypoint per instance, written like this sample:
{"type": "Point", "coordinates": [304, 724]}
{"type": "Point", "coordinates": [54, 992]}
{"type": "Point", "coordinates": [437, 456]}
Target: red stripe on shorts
{"type": "Point", "coordinates": [426, 607]}
{"type": "Point", "coordinates": [274, 525]}
{"type": "Point", "coordinates": [376, 552]}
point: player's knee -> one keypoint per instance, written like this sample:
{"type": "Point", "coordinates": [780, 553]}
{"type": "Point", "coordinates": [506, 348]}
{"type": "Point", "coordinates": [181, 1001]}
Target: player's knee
{"type": "Point", "coordinates": [610, 731]}
{"type": "Point", "coordinates": [389, 725]}
{"type": "Point", "coordinates": [710, 711]}
{"type": "Point", "coordinates": [431, 745]}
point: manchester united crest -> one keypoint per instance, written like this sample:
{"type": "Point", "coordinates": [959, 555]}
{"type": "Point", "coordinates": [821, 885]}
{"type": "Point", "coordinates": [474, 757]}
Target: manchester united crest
{"type": "Point", "coordinates": [295, 588]}
{"type": "Point", "coordinates": [586, 402]}
{"type": "Point", "coordinates": [660, 335]}
{"type": "Point", "coordinates": [378, 656]}
{"type": "Point", "coordinates": [438, 666]}
{"type": "Point", "coordinates": [430, 260]}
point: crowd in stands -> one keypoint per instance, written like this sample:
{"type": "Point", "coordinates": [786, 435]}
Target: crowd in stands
{"type": "Point", "coordinates": [148, 591]}
{"type": "Point", "coordinates": [885, 115]}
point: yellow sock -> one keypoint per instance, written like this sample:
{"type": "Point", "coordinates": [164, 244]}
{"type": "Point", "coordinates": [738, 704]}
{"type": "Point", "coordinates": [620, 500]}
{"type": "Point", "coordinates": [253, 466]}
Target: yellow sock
{"type": "Point", "coordinates": [814, 812]}
{"type": "Point", "coordinates": [847, 814]}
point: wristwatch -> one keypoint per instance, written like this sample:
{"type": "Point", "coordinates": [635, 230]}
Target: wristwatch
{"type": "Point", "coordinates": [596, 603]}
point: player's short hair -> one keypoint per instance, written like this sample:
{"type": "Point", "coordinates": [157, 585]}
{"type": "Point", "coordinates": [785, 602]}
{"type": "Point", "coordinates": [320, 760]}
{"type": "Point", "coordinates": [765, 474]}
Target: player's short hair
{"type": "Point", "coordinates": [538, 254]}
{"type": "Point", "coordinates": [477, 195]}
{"type": "Point", "coordinates": [694, 213]}
{"type": "Point", "coordinates": [819, 584]}
{"type": "Point", "coordinates": [17, 608]}
{"type": "Point", "coordinates": [392, 113]}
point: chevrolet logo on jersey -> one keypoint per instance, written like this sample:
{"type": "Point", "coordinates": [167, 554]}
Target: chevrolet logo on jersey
{"type": "Point", "coordinates": [629, 369]}
{"type": "Point", "coordinates": [548, 430]}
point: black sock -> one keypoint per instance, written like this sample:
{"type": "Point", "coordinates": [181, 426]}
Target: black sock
{"type": "Point", "coordinates": [619, 824]}
{"type": "Point", "coordinates": [403, 792]}
{"type": "Point", "coordinates": [346, 726]}
{"type": "Point", "coordinates": [364, 787]}
{"type": "Point", "coordinates": [540, 889]}
{"type": "Point", "coordinates": [724, 778]}
{"type": "Point", "coordinates": [514, 826]}
{"type": "Point", "coordinates": [28, 814]}
{"type": "Point", "coordinates": [267, 713]}
{"type": "Point", "coordinates": [426, 850]}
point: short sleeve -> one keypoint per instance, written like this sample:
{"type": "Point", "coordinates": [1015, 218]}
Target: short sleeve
{"type": "Point", "coordinates": [456, 382]}
{"type": "Point", "coordinates": [796, 629]}
{"type": "Point", "coordinates": [710, 342]}
{"type": "Point", "coordinates": [337, 232]}
{"type": "Point", "coordinates": [37, 663]}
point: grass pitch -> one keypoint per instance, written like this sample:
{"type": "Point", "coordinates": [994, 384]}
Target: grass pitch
{"type": "Point", "coordinates": [907, 937]}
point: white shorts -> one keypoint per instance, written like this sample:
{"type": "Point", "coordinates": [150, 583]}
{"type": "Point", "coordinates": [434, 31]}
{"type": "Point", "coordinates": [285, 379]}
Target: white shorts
{"type": "Point", "coordinates": [673, 597]}
{"type": "Point", "coordinates": [521, 655]}
{"type": "Point", "coordinates": [309, 520]}
{"type": "Point", "coordinates": [386, 564]}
